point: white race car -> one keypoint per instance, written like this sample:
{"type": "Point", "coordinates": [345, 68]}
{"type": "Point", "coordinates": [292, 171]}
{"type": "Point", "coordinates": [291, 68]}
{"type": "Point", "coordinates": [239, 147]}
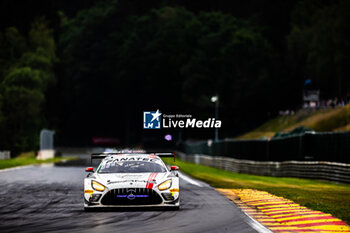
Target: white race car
{"type": "Point", "coordinates": [131, 180]}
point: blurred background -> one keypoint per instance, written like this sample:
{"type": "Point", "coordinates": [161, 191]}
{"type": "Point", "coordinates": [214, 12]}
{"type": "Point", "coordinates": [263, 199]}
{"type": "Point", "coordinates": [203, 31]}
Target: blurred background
{"type": "Point", "coordinates": [88, 69]}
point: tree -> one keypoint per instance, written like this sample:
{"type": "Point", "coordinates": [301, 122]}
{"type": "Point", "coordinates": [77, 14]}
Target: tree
{"type": "Point", "coordinates": [318, 46]}
{"type": "Point", "coordinates": [170, 58]}
{"type": "Point", "coordinates": [23, 87]}
{"type": "Point", "coordinates": [23, 118]}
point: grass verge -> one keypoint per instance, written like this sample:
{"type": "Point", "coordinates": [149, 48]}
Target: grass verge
{"type": "Point", "coordinates": [317, 195]}
{"type": "Point", "coordinates": [28, 159]}
{"type": "Point", "coordinates": [324, 120]}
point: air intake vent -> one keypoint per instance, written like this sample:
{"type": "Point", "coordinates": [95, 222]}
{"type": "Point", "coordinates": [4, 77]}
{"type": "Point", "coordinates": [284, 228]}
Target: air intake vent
{"type": "Point", "coordinates": [131, 196]}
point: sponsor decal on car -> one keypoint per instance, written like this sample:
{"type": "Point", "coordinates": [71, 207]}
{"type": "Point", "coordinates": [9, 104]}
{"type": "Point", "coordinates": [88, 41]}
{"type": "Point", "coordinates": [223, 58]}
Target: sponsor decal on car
{"type": "Point", "coordinates": [131, 195]}
{"type": "Point", "coordinates": [133, 159]}
{"type": "Point", "coordinates": [127, 181]}
{"type": "Point", "coordinates": [150, 181]}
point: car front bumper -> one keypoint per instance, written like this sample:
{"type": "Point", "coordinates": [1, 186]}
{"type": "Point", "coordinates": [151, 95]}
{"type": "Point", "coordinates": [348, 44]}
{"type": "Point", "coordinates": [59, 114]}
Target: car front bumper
{"type": "Point", "coordinates": [129, 197]}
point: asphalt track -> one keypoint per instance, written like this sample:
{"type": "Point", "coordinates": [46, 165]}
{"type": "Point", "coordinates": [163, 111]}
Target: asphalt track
{"type": "Point", "coordinates": [49, 199]}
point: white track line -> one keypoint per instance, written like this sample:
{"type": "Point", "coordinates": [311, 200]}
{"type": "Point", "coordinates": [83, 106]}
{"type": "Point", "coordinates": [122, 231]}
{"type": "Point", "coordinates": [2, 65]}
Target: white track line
{"type": "Point", "coordinates": [189, 180]}
{"type": "Point", "coordinates": [16, 168]}
{"type": "Point", "coordinates": [250, 221]}
{"type": "Point", "coordinates": [256, 225]}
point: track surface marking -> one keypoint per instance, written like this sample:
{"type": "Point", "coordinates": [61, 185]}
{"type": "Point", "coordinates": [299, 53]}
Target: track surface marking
{"type": "Point", "coordinates": [50, 199]}
{"type": "Point", "coordinates": [282, 215]}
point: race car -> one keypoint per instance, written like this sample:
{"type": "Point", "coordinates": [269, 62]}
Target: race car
{"type": "Point", "coordinates": [131, 180]}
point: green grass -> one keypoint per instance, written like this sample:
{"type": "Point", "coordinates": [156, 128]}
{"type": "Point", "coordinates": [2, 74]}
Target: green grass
{"type": "Point", "coordinates": [270, 128]}
{"type": "Point", "coordinates": [337, 119]}
{"type": "Point", "coordinates": [317, 195]}
{"type": "Point", "coordinates": [28, 159]}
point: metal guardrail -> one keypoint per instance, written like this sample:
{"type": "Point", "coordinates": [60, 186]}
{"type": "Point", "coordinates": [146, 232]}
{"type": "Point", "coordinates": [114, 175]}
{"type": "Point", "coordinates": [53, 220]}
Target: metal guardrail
{"type": "Point", "coordinates": [322, 170]}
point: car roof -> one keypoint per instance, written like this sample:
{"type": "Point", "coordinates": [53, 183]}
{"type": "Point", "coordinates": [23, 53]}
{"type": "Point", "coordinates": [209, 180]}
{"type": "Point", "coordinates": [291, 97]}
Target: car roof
{"type": "Point", "coordinates": [132, 154]}
{"type": "Point", "coordinates": [145, 158]}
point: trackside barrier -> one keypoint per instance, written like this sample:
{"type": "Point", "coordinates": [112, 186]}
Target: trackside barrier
{"type": "Point", "coordinates": [334, 147]}
{"type": "Point", "coordinates": [5, 155]}
{"type": "Point", "coordinates": [46, 145]}
{"type": "Point", "coordinates": [332, 171]}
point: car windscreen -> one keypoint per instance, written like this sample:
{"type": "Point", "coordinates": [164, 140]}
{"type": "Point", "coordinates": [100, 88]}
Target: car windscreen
{"type": "Point", "coordinates": [131, 167]}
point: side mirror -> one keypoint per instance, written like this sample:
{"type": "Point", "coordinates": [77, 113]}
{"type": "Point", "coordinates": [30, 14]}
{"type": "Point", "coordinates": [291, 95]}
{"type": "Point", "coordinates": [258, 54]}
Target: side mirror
{"type": "Point", "coordinates": [174, 168]}
{"type": "Point", "coordinates": [89, 169]}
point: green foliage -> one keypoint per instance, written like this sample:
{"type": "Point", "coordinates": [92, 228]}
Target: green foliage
{"type": "Point", "coordinates": [29, 159]}
{"type": "Point", "coordinates": [169, 57]}
{"type": "Point", "coordinates": [41, 39]}
{"type": "Point", "coordinates": [23, 116]}
{"type": "Point", "coordinates": [334, 122]}
{"type": "Point", "coordinates": [133, 55]}
{"type": "Point", "coordinates": [12, 45]}
{"type": "Point", "coordinates": [26, 77]}
{"type": "Point", "coordinates": [318, 45]}
{"type": "Point", "coordinates": [22, 105]}
{"type": "Point", "coordinates": [323, 120]}
{"type": "Point", "coordinates": [16, 42]}
{"type": "Point", "coordinates": [2, 117]}
{"type": "Point", "coordinates": [23, 76]}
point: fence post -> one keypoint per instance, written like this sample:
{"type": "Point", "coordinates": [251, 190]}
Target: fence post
{"type": "Point", "coordinates": [46, 144]}
{"type": "Point", "coordinates": [300, 150]}
{"type": "Point", "coordinates": [267, 149]}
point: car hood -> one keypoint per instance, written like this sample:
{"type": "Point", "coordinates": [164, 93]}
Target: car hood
{"type": "Point", "coordinates": [125, 178]}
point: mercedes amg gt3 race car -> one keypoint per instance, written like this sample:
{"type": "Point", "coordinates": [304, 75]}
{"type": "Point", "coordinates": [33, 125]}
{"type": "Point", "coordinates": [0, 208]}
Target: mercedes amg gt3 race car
{"type": "Point", "coordinates": [131, 180]}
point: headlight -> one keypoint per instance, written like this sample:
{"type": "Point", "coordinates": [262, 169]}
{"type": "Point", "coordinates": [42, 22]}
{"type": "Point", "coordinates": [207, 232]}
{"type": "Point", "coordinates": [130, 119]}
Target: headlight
{"type": "Point", "coordinates": [165, 185]}
{"type": "Point", "coordinates": [97, 186]}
